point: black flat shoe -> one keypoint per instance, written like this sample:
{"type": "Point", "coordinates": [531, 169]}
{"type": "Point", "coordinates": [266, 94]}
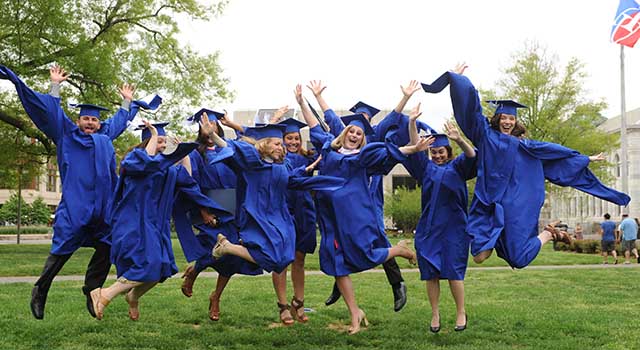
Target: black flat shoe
{"type": "Point", "coordinates": [464, 326]}
{"type": "Point", "coordinates": [399, 296]}
{"type": "Point", "coordinates": [434, 329]}
{"type": "Point", "coordinates": [335, 295]}
{"type": "Point", "coordinates": [38, 300]}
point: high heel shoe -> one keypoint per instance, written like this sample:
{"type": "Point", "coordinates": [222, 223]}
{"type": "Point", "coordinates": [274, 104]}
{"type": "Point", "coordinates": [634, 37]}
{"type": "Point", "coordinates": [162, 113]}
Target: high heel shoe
{"type": "Point", "coordinates": [214, 308]}
{"type": "Point", "coordinates": [404, 244]}
{"type": "Point", "coordinates": [286, 320]}
{"type": "Point", "coordinates": [435, 329]}
{"type": "Point", "coordinates": [99, 302]}
{"type": "Point", "coordinates": [189, 277]}
{"type": "Point", "coordinates": [362, 318]}
{"type": "Point", "coordinates": [220, 248]}
{"type": "Point", "coordinates": [464, 326]}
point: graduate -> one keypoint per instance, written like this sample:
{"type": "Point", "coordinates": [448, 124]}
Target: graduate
{"type": "Point", "coordinates": [510, 188]}
{"type": "Point", "coordinates": [216, 176]}
{"type": "Point", "coordinates": [303, 211]}
{"type": "Point", "coordinates": [86, 161]}
{"type": "Point", "coordinates": [351, 241]}
{"type": "Point", "coordinates": [142, 204]}
{"type": "Point", "coordinates": [266, 226]}
{"type": "Point", "coordinates": [441, 241]}
{"type": "Point", "coordinates": [392, 122]}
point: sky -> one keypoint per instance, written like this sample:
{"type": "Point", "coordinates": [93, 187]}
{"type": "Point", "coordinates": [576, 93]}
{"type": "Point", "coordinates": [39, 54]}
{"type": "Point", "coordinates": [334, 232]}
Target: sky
{"type": "Point", "coordinates": [364, 50]}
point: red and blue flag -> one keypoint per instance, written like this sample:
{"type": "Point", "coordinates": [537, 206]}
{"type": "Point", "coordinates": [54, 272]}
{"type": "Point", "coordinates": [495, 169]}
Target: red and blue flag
{"type": "Point", "coordinates": [626, 26]}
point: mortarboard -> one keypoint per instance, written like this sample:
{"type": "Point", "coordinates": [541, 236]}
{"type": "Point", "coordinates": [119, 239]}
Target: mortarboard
{"type": "Point", "coordinates": [261, 132]}
{"type": "Point", "coordinates": [362, 107]}
{"type": "Point", "coordinates": [213, 115]}
{"type": "Point", "coordinates": [358, 120]}
{"type": "Point", "coordinates": [147, 134]}
{"type": "Point", "coordinates": [441, 140]}
{"type": "Point", "coordinates": [292, 125]}
{"type": "Point", "coordinates": [87, 109]}
{"type": "Point", "coordinates": [506, 106]}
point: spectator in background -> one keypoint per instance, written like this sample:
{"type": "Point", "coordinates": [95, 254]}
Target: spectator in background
{"type": "Point", "coordinates": [629, 230]}
{"type": "Point", "coordinates": [578, 232]}
{"type": "Point", "coordinates": [608, 232]}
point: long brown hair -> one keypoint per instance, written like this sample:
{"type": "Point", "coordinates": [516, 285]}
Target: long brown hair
{"type": "Point", "coordinates": [301, 150]}
{"type": "Point", "coordinates": [517, 131]}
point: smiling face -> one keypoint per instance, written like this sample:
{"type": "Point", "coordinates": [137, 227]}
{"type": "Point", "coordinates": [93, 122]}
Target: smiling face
{"type": "Point", "coordinates": [88, 124]}
{"type": "Point", "coordinates": [353, 137]}
{"type": "Point", "coordinates": [506, 123]}
{"type": "Point", "coordinates": [161, 145]}
{"type": "Point", "coordinates": [292, 142]}
{"type": "Point", "coordinates": [439, 155]}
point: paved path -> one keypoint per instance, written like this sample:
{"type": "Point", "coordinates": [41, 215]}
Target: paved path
{"type": "Point", "coordinates": [32, 279]}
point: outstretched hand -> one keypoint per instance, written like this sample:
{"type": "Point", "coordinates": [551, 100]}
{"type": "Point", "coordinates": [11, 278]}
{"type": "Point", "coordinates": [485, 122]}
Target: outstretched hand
{"type": "Point", "coordinates": [597, 158]}
{"type": "Point", "coordinates": [415, 112]}
{"type": "Point", "coordinates": [152, 129]}
{"type": "Point", "coordinates": [424, 143]}
{"type": "Point", "coordinates": [206, 125]}
{"type": "Point", "coordinates": [313, 165]}
{"type": "Point", "coordinates": [277, 115]}
{"type": "Point", "coordinates": [460, 67]}
{"type": "Point", "coordinates": [452, 131]}
{"type": "Point", "coordinates": [57, 74]}
{"type": "Point", "coordinates": [411, 88]}
{"type": "Point", "coordinates": [316, 87]}
{"type": "Point", "coordinates": [127, 90]}
{"type": "Point", "coordinates": [298, 93]}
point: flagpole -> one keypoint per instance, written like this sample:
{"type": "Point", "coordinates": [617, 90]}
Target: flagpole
{"type": "Point", "coordinates": [623, 131]}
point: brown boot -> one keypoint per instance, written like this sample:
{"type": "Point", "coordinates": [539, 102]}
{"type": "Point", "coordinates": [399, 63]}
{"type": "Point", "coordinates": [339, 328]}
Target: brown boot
{"type": "Point", "coordinates": [190, 275]}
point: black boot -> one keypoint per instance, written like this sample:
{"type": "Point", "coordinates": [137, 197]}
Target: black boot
{"type": "Point", "coordinates": [399, 296]}
{"type": "Point", "coordinates": [335, 295]}
{"type": "Point", "coordinates": [52, 266]}
{"type": "Point", "coordinates": [97, 272]}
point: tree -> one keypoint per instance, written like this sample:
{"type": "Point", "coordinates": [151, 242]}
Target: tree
{"type": "Point", "coordinates": [558, 109]}
{"type": "Point", "coordinates": [38, 213]}
{"type": "Point", "coordinates": [103, 44]}
{"type": "Point", "coordinates": [9, 210]}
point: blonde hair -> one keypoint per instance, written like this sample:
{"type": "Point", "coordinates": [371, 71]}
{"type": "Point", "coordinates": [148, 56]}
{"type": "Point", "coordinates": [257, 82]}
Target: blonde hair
{"type": "Point", "coordinates": [261, 147]}
{"type": "Point", "coordinates": [339, 141]}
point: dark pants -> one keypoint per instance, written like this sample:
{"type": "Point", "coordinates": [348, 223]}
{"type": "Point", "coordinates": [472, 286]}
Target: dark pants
{"type": "Point", "coordinates": [97, 270]}
{"type": "Point", "coordinates": [392, 270]}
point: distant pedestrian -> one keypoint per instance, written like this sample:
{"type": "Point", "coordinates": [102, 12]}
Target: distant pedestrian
{"type": "Point", "coordinates": [608, 243]}
{"type": "Point", "coordinates": [629, 232]}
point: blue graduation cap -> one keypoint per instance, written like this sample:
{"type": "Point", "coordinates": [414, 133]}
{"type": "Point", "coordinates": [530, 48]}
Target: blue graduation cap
{"type": "Point", "coordinates": [87, 109]}
{"type": "Point", "coordinates": [362, 107]}
{"type": "Point", "coordinates": [358, 120]}
{"type": "Point", "coordinates": [261, 132]}
{"type": "Point", "coordinates": [506, 106]}
{"type": "Point", "coordinates": [441, 140]}
{"type": "Point", "coordinates": [147, 134]}
{"type": "Point", "coordinates": [292, 125]}
{"type": "Point", "coordinates": [213, 115]}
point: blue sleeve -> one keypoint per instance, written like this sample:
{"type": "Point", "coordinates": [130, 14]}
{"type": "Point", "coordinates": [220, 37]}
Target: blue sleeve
{"type": "Point", "coordinates": [388, 123]}
{"type": "Point", "coordinates": [334, 122]}
{"type": "Point", "coordinates": [319, 137]}
{"type": "Point", "coordinates": [244, 157]}
{"type": "Point", "coordinates": [319, 182]}
{"type": "Point", "coordinates": [378, 158]}
{"type": "Point", "coordinates": [117, 124]}
{"type": "Point", "coordinates": [466, 105]}
{"type": "Point", "coordinates": [43, 110]}
{"type": "Point", "coordinates": [138, 162]}
{"type": "Point", "coordinates": [416, 165]}
{"type": "Point", "coordinates": [465, 166]}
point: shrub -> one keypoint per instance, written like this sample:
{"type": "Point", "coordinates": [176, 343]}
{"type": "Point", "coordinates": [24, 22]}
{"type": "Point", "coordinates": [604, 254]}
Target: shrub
{"type": "Point", "coordinates": [26, 230]}
{"type": "Point", "coordinates": [404, 208]}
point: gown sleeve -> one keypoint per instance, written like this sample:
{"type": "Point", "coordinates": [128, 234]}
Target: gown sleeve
{"type": "Point", "coordinates": [118, 123]}
{"type": "Point", "coordinates": [465, 166]}
{"type": "Point", "coordinates": [334, 122]}
{"type": "Point", "coordinates": [319, 137]}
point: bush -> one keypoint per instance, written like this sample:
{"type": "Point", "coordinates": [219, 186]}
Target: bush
{"type": "Point", "coordinates": [26, 230]}
{"type": "Point", "coordinates": [36, 213]}
{"type": "Point", "coordinates": [585, 246]}
{"type": "Point", "coordinates": [404, 207]}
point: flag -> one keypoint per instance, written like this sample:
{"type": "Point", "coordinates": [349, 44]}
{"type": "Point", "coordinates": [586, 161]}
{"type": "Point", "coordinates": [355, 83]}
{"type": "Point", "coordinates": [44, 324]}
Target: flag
{"type": "Point", "coordinates": [626, 25]}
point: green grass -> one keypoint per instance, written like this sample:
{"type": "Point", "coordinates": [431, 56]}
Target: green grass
{"type": "Point", "coordinates": [28, 259]}
{"type": "Point", "coordinates": [529, 309]}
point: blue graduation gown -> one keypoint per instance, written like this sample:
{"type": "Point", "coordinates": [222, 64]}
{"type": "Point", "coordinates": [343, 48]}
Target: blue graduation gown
{"type": "Point", "coordinates": [199, 247]}
{"type": "Point", "coordinates": [86, 163]}
{"type": "Point", "coordinates": [351, 241]}
{"type": "Point", "coordinates": [266, 226]}
{"type": "Point", "coordinates": [302, 209]}
{"type": "Point", "coordinates": [144, 197]}
{"type": "Point", "coordinates": [441, 241]}
{"type": "Point", "coordinates": [509, 191]}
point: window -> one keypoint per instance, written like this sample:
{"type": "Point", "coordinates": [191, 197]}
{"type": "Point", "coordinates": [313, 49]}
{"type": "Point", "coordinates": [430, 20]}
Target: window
{"type": "Point", "coordinates": [52, 177]}
{"type": "Point", "coordinates": [403, 181]}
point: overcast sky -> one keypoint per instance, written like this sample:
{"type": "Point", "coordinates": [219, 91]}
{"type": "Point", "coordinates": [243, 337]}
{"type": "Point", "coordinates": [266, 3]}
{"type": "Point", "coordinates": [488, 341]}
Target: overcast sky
{"type": "Point", "coordinates": [364, 50]}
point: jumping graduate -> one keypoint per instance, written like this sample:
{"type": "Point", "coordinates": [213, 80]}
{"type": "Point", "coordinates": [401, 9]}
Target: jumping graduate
{"type": "Point", "coordinates": [86, 161]}
{"type": "Point", "coordinates": [142, 204]}
{"type": "Point", "coordinates": [392, 122]}
{"type": "Point", "coordinates": [266, 226]}
{"type": "Point", "coordinates": [509, 191]}
{"type": "Point", "coordinates": [351, 241]}
{"type": "Point", "coordinates": [198, 248]}
{"type": "Point", "coordinates": [441, 241]}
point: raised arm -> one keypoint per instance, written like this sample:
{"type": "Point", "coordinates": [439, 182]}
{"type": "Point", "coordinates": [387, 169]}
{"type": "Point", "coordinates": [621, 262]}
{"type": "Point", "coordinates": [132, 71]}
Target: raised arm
{"type": "Point", "coordinates": [230, 123]}
{"type": "Point", "coordinates": [413, 129]}
{"type": "Point", "coordinates": [152, 145]}
{"type": "Point", "coordinates": [330, 117]}
{"type": "Point", "coordinates": [118, 123]}
{"type": "Point", "coordinates": [277, 116]}
{"type": "Point", "coordinates": [407, 92]}
{"type": "Point", "coordinates": [453, 133]}
{"type": "Point", "coordinates": [317, 88]}
{"type": "Point", "coordinates": [306, 111]}
{"type": "Point", "coordinates": [207, 127]}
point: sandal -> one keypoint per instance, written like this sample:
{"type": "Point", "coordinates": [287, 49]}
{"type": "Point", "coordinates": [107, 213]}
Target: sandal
{"type": "Point", "coordinates": [214, 308]}
{"type": "Point", "coordinates": [557, 235]}
{"type": "Point", "coordinates": [287, 320]}
{"type": "Point", "coordinates": [220, 248]}
{"type": "Point", "coordinates": [134, 313]}
{"type": "Point", "coordinates": [189, 276]}
{"type": "Point", "coordinates": [296, 305]}
{"type": "Point", "coordinates": [99, 302]}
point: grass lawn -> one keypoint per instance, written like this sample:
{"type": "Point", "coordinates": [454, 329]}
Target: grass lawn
{"type": "Point", "coordinates": [28, 259]}
{"type": "Point", "coordinates": [529, 309]}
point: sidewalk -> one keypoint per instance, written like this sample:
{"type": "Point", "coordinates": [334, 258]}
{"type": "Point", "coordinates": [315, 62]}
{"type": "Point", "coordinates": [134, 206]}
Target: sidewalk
{"type": "Point", "coordinates": [26, 239]}
{"type": "Point", "coordinates": [32, 279]}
